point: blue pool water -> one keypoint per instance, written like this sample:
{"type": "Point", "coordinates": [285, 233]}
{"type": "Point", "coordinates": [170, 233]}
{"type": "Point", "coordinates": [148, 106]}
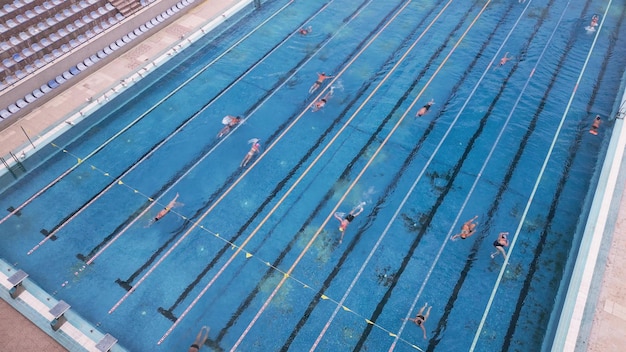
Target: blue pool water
{"type": "Point", "coordinates": [255, 252]}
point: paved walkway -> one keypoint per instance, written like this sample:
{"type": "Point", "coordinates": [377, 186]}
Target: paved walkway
{"type": "Point", "coordinates": [18, 333]}
{"type": "Point", "coordinates": [608, 329]}
{"type": "Point", "coordinates": [609, 326]}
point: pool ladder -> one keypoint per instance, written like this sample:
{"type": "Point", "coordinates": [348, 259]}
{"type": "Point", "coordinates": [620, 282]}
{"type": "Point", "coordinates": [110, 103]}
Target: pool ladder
{"type": "Point", "coordinates": [16, 170]}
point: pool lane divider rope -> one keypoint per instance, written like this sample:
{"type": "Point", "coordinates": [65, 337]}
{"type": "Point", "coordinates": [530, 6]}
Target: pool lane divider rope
{"type": "Point", "coordinates": [239, 249]}
{"type": "Point", "coordinates": [483, 167]}
{"type": "Point", "coordinates": [537, 181]}
{"type": "Point", "coordinates": [385, 231]}
{"type": "Point", "coordinates": [51, 234]}
{"type": "Point", "coordinates": [110, 242]}
{"type": "Point", "coordinates": [246, 171]}
{"type": "Point", "coordinates": [458, 284]}
{"type": "Point", "coordinates": [258, 106]}
{"type": "Point", "coordinates": [365, 168]}
{"type": "Point", "coordinates": [343, 177]}
{"type": "Point", "coordinates": [249, 255]}
{"type": "Point", "coordinates": [139, 118]}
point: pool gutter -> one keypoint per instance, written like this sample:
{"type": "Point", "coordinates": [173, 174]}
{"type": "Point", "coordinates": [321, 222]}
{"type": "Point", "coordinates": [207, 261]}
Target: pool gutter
{"type": "Point", "coordinates": [583, 291]}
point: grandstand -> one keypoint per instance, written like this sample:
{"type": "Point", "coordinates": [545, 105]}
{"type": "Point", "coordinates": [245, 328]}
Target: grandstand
{"type": "Point", "coordinates": [46, 43]}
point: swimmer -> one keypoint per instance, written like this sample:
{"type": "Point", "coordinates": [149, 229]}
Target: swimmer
{"type": "Point", "coordinates": [345, 221]}
{"type": "Point", "coordinates": [256, 146]}
{"type": "Point", "coordinates": [420, 318]}
{"type": "Point", "coordinates": [321, 77]}
{"type": "Point", "coordinates": [499, 244]}
{"type": "Point", "coordinates": [504, 60]}
{"type": "Point", "coordinates": [229, 122]}
{"type": "Point", "coordinates": [421, 112]}
{"type": "Point", "coordinates": [594, 127]}
{"type": "Point", "coordinates": [173, 203]}
{"type": "Point", "coordinates": [200, 340]}
{"type": "Point", "coordinates": [305, 31]}
{"type": "Point", "coordinates": [468, 229]}
{"type": "Point", "coordinates": [594, 23]}
{"type": "Point", "coordinates": [322, 102]}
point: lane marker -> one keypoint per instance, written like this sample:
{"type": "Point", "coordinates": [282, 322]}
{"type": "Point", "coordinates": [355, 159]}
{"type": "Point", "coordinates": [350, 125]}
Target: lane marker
{"type": "Point", "coordinates": [539, 178]}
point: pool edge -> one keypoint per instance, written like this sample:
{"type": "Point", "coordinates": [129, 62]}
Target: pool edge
{"type": "Point", "coordinates": [574, 323]}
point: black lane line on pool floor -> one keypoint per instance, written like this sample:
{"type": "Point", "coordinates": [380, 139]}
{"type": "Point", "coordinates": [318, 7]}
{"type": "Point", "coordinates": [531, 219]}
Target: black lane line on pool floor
{"type": "Point", "coordinates": [390, 187]}
{"type": "Point", "coordinates": [411, 156]}
{"type": "Point", "coordinates": [231, 179]}
{"type": "Point", "coordinates": [204, 151]}
{"type": "Point", "coordinates": [184, 123]}
{"type": "Point", "coordinates": [313, 215]}
{"type": "Point", "coordinates": [279, 186]}
{"type": "Point", "coordinates": [14, 211]}
{"type": "Point", "coordinates": [277, 261]}
{"type": "Point", "coordinates": [583, 127]}
{"type": "Point", "coordinates": [441, 326]}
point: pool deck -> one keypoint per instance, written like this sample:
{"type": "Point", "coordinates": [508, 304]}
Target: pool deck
{"type": "Point", "coordinates": [607, 331]}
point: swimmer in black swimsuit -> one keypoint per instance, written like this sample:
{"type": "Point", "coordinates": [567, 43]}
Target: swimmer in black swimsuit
{"type": "Point", "coordinates": [596, 124]}
{"type": "Point", "coordinates": [499, 244]}
{"type": "Point", "coordinates": [468, 229]}
{"type": "Point", "coordinates": [322, 102]}
{"type": "Point", "coordinates": [200, 340]}
{"type": "Point", "coordinates": [173, 203]}
{"type": "Point", "coordinates": [421, 112]}
{"type": "Point", "coordinates": [420, 318]}
{"type": "Point", "coordinates": [321, 77]}
{"type": "Point", "coordinates": [345, 221]}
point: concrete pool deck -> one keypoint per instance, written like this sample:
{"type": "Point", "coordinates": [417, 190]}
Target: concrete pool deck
{"type": "Point", "coordinates": [607, 331]}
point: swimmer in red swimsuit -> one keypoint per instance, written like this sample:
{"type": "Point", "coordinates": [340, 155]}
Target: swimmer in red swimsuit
{"type": "Point", "coordinates": [305, 31]}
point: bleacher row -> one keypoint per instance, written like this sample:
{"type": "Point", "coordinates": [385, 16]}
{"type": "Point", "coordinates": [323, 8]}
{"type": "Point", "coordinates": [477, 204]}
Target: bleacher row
{"type": "Point", "coordinates": [107, 18]}
{"type": "Point", "coordinates": [33, 35]}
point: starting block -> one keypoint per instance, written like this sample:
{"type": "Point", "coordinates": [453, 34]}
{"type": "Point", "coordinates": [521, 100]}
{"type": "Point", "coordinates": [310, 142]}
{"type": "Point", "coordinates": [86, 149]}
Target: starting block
{"type": "Point", "coordinates": [106, 343]}
{"type": "Point", "coordinates": [16, 280]}
{"type": "Point", "coordinates": [57, 312]}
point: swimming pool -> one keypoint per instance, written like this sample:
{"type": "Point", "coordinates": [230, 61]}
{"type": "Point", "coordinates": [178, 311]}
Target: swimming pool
{"type": "Point", "coordinates": [254, 252]}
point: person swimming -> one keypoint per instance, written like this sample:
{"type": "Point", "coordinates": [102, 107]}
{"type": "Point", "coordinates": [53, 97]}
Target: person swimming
{"type": "Point", "coordinates": [256, 147]}
{"type": "Point", "coordinates": [322, 102]}
{"type": "Point", "coordinates": [468, 229]}
{"type": "Point", "coordinates": [421, 318]}
{"type": "Point", "coordinates": [305, 31]}
{"type": "Point", "coordinates": [321, 77]}
{"type": "Point", "coordinates": [344, 221]}
{"type": "Point", "coordinates": [596, 124]}
{"type": "Point", "coordinates": [499, 244]}
{"type": "Point", "coordinates": [229, 122]}
{"type": "Point", "coordinates": [594, 23]}
{"type": "Point", "coordinates": [200, 340]}
{"type": "Point", "coordinates": [173, 203]}
{"type": "Point", "coordinates": [505, 59]}
{"type": "Point", "coordinates": [421, 112]}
